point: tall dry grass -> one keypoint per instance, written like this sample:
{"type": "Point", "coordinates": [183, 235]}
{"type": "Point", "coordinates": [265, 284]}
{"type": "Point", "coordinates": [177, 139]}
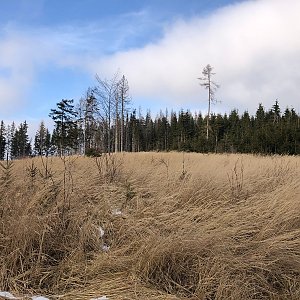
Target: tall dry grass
{"type": "Point", "coordinates": [178, 226]}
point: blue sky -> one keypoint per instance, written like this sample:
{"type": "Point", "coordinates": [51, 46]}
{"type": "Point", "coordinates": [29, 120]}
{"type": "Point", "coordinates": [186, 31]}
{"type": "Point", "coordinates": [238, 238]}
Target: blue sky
{"type": "Point", "coordinates": [52, 49]}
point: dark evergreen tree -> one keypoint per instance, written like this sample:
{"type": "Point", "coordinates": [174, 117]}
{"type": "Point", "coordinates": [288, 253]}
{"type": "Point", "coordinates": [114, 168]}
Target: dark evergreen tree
{"type": "Point", "coordinates": [162, 129]}
{"type": "Point", "coordinates": [273, 133]}
{"type": "Point", "coordinates": [275, 112]}
{"type": "Point", "coordinates": [149, 134]}
{"type": "Point", "coordinates": [290, 132]}
{"type": "Point", "coordinates": [132, 133]}
{"type": "Point", "coordinates": [186, 126]}
{"type": "Point", "coordinates": [200, 140]}
{"type": "Point", "coordinates": [246, 133]}
{"type": "Point", "coordinates": [259, 138]}
{"type": "Point", "coordinates": [219, 131]}
{"type": "Point", "coordinates": [65, 134]}
{"type": "Point", "coordinates": [42, 140]}
{"type": "Point", "coordinates": [174, 132]}
{"type": "Point", "coordinates": [20, 144]}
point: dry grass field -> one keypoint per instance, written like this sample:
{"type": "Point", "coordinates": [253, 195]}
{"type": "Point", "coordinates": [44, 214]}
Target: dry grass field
{"type": "Point", "coordinates": [151, 226]}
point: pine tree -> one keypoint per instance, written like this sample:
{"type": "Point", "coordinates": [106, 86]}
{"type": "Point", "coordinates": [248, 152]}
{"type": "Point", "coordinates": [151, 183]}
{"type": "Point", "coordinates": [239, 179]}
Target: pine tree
{"type": "Point", "coordinates": [246, 133]}
{"type": "Point", "coordinates": [219, 130]}
{"type": "Point", "coordinates": [162, 128]}
{"type": "Point", "coordinates": [234, 130]}
{"type": "Point", "coordinates": [65, 134]}
{"type": "Point", "coordinates": [149, 133]}
{"type": "Point", "coordinates": [259, 139]}
{"type": "Point", "coordinates": [276, 112]}
{"type": "Point", "coordinates": [42, 140]}
{"type": "Point", "coordinates": [20, 145]}
{"type": "Point", "coordinates": [174, 132]}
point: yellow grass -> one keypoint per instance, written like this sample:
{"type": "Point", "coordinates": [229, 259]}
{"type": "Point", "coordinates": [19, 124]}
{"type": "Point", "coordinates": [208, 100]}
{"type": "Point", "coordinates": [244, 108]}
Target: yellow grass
{"type": "Point", "coordinates": [179, 226]}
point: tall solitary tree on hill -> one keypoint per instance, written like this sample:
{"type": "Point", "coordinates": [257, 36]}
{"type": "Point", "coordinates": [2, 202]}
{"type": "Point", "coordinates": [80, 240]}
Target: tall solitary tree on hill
{"type": "Point", "coordinates": [211, 86]}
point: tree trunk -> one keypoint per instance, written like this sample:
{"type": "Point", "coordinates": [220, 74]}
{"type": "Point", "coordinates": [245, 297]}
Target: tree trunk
{"type": "Point", "coordinates": [122, 120]}
{"type": "Point", "coordinates": [117, 125]}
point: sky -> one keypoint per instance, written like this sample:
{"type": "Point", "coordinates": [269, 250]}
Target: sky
{"type": "Point", "coordinates": [52, 50]}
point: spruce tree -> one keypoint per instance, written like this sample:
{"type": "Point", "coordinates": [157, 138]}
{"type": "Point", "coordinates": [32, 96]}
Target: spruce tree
{"type": "Point", "coordinates": [42, 140]}
{"type": "Point", "coordinates": [65, 135]}
{"type": "Point", "coordinates": [149, 132]}
{"type": "Point", "coordinates": [20, 144]}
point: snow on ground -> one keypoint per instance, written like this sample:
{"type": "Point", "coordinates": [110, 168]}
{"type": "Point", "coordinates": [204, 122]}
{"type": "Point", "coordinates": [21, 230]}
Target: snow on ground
{"type": "Point", "coordinates": [116, 212]}
{"type": "Point", "coordinates": [9, 296]}
{"type": "Point", "coordinates": [105, 248]}
{"type": "Point", "coordinates": [101, 232]}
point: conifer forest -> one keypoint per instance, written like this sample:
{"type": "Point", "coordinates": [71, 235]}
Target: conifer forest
{"type": "Point", "coordinates": [104, 121]}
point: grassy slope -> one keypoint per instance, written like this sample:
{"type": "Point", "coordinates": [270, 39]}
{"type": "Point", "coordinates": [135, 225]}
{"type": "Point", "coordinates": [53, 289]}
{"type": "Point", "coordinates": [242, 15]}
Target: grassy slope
{"type": "Point", "coordinates": [192, 226]}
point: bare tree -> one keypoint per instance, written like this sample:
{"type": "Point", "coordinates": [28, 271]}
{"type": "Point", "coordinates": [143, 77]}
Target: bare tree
{"type": "Point", "coordinates": [125, 100]}
{"type": "Point", "coordinates": [117, 117]}
{"type": "Point", "coordinates": [10, 131]}
{"type": "Point", "coordinates": [113, 99]}
{"type": "Point", "coordinates": [211, 86]}
{"type": "Point", "coordinates": [106, 91]}
{"type": "Point", "coordinates": [88, 112]}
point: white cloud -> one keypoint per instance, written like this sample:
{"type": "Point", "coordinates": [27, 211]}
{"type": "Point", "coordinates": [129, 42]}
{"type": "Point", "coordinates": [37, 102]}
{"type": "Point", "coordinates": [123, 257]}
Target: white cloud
{"type": "Point", "coordinates": [15, 73]}
{"type": "Point", "coordinates": [253, 46]}
{"type": "Point", "coordinates": [24, 53]}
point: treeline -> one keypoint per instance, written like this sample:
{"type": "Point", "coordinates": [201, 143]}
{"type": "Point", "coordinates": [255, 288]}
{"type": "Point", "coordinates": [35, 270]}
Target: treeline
{"type": "Point", "coordinates": [14, 142]}
{"type": "Point", "coordinates": [267, 132]}
{"type": "Point", "coordinates": [101, 122]}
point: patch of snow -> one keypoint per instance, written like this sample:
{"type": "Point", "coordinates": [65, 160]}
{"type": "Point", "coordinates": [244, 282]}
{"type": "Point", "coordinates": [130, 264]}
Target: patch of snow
{"type": "Point", "coordinates": [116, 212]}
{"type": "Point", "coordinates": [8, 295]}
{"type": "Point", "coordinates": [105, 248]}
{"type": "Point", "coordinates": [101, 231]}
